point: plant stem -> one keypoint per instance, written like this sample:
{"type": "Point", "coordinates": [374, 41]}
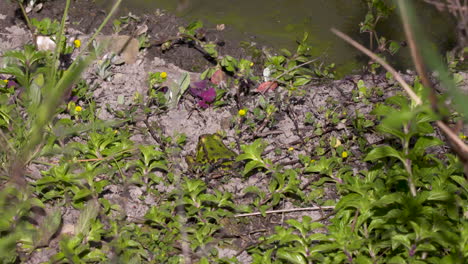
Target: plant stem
{"type": "Point", "coordinates": [26, 17]}
{"type": "Point", "coordinates": [111, 13]}
{"type": "Point", "coordinates": [317, 208]}
{"type": "Point", "coordinates": [58, 48]}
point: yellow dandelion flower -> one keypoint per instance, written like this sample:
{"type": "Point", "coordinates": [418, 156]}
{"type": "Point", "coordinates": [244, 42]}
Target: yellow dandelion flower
{"type": "Point", "coordinates": [163, 75]}
{"type": "Point", "coordinates": [77, 43]}
{"type": "Point", "coordinates": [78, 109]}
{"type": "Point", "coordinates": [344, 154]}
{"type": "Point", "coordinates": [242, 112]}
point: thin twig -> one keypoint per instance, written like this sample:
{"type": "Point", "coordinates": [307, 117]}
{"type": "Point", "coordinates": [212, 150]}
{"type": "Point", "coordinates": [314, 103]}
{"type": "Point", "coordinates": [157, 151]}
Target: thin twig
{"type": "Point", "coordinates": [417, 57]}
{"type": "Point", "coordinates": [316, 208]}
{"type": "Point", "coordinates": [379, 60]}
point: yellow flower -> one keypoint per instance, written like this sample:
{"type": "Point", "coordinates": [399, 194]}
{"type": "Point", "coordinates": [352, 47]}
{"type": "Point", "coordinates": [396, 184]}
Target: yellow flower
{"type": "Point", "coordinates": [312, 161]}
{"type": "Point", "coordinates": [251, 64]}
{"type": "Point", "coordinates": [78, 108]}
{"type": "Point", "coordinates": [77, 43]}
{"type": "Point", "coordinates": [163, 75]}
{"type": "Point", "coordinates": [115, 131]}
{"type": "Point", "coordinates": [290, 149]}
{"type": "Point", "coordinates": [462, 136]}
{"type": "Point", "coordinates": [5, 81]}
{"type": "Point", "coordinates": [242, 112]}
{"type": "Point", "coordinates": [344, 154]}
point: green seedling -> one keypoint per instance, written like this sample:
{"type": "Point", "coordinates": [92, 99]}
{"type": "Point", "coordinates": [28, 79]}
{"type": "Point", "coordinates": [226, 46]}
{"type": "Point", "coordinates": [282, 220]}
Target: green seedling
{"type": "Point", "coordinates": [151, 160]}
{"type": "Point", "coordinates": [253, 155]}
{"type": "Point", "coordinates": [292, 242]}
{"type": "Point", "coordinates": [46, 27]}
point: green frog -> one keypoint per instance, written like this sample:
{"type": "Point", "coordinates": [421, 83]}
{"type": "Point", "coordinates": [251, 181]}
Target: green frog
{"type": "Point", "coordinates": [211, 154]}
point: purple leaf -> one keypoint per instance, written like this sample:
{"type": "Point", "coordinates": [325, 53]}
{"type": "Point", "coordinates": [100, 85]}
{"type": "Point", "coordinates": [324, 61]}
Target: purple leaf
{"type": "Point", "coordinates": [196, 88]}
{"type": "Point", "coordinates": [12, 84]}
{"type": "Point", "coordinates": [209, 95]}
{"type": "Point", "coordinates": [73, 99]}
{"type": "Point", "coordinates": [203, 91]}
{"type": "Point", "coordinates": [164, 89]}
{"type": "Point", "coordinates": [203, 104]}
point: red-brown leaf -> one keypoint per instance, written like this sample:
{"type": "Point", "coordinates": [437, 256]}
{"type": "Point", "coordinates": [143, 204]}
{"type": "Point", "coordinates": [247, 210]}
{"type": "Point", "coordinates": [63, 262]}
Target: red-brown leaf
{"type": "Point", "coordinates": [267, 86]}
{"type": "Point", "coordinates": [218, 77]}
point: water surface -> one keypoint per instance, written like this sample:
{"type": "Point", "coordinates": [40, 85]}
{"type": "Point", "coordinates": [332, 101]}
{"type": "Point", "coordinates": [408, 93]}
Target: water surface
{"type": "Point", "coordinates": [279, 23]}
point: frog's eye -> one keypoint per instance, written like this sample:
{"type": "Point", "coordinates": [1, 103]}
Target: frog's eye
{"type": "Point", "coordinates": [217, 137]}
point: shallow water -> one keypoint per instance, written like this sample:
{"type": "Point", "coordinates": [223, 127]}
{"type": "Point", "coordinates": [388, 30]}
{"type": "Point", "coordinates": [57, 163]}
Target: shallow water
{"type": "Point", "coordinates": [279, 23]}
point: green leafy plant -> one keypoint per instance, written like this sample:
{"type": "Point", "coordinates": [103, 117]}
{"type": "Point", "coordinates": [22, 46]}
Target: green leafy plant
{"type": "Point", "coordinates": [377, 11]}
{"type": "Point", "coordinates": [46, 26]}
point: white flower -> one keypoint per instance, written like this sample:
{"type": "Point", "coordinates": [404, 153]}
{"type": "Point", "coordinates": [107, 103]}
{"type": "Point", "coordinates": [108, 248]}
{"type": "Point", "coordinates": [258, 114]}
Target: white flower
{"type": "Point", "coordinates": [266, 74]}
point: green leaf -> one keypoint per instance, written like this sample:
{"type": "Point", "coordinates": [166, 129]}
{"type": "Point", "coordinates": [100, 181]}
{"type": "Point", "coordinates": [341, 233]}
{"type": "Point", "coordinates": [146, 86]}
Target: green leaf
{"type": "Point", "coordinates": [438, 195]}
{"type": "Point", "coordinates": [324, 248]}
{"type": "Point", "coordinates": [252, 151]}
{"type": "Point", "coordinates": [423, 143]}
{"type": "Point", "coordinates": [397, 260]}
{"type": "Point", "coordinates": [317, 237]}
{"type": "Point", "coordinates": [384, 152]}
{"type": "Point", "coordinates": [350, 200]}
{"type": "Point", "coordinates": [251, 165]}
{"type": "Point", "coordinates": [204, 260]}
{"type": "Point", "coordinates": [363, 260]}
{"type": "Point", "coordinates": [323, 166]}
{"type": "Point", "coordinates": [192, 27]}
{"type": "Point", "coordinates": [89, 213]}
{"type": "Point", "coordinates": [210, 49]}
{"type": "Point", "coordinates": [253, 189]}
{"type": "Point", "coordinates": [286, 52]}
{"type": "Point", "coordinates": [96, 255]}
{"type": "Point", "coordinates": [398, 240]}
{"type": "Point", "coordinates": [96, 231]}
{"type": "Point", "coordinates": [393, 47]}
{"type": "Point", "coordinates": [176, 93]}
{"type": "Point", "coordinates": [301, 81]}
{"type": "Point", "coordinates": [48, 228]}
{"type": "Point", "coordinates": [388, 199]}
{"type": "Point", "coordinates": [81, 194]}
{"type": "Point", "coordinates": [290, 256]}
{"type": "Point", "coordinates": [229, 63]}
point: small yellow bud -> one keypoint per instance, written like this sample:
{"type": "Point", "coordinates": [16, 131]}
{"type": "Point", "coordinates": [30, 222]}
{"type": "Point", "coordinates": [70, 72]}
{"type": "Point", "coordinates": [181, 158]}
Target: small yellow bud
{"type": "Point", "coordinates": [312, 161]}
{"type": "Point", "coordinates": [337, 144]}
{"type": "Point", "coordinates": [462, 136]}
{"type": "Point", "coordinates": [163, 75]}
{"type": "Point", "coordinates": [290, 149]}
{"type": "Point", "coordinates": [344, 155]}
{"type": "Point", "coordinates": [78, 108]}
{"type": "Point", "coordinates": [242, 112]}
{"type": "Point", "coordinates": [77, 43]}
{"type": "Point", "coordinates": [5, 81]}
{"type": "Point", "coordinates": [251, 64]}
{"type": "Point", "coordinates": [115, 131]}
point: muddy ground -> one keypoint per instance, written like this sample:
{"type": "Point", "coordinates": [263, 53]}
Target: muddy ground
{"type": "Point", "coordinates": [126, 80]}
